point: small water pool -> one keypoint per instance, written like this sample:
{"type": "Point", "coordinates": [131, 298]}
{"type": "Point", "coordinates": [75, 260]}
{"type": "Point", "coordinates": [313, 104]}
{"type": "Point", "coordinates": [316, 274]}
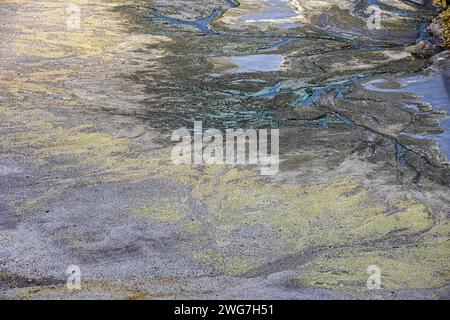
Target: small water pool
{"type": "Point", "coordinates": [248, 63]}
{"type": "Point", "coordinates": [434, 90]}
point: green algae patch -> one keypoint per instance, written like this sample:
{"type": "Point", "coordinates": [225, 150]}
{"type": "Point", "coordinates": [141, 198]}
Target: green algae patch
{"type": "Point", "coordinates": [163, 212]}
{"type": "Point", "coordinates": [36, 81]}
{"type": "Point", "coordinates": [223, 264]}
{"type": "Point", "coordinates": [44, 137]}
{"type": "Point", "coordinates": [350, 272]}
{"type": "Point", "coordinates": [420, 264]}
{"type": "Point", "coordinates": [193, 228]}
{"type": "Point", "coordinates": [253, 222]}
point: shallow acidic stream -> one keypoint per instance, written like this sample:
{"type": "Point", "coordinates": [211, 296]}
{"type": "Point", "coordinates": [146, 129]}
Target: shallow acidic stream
{"type": "Point", "coordinates": [325, 27]}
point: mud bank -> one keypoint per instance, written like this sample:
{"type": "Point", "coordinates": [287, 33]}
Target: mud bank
{"type": "Point", "coordinates": [85, 171]}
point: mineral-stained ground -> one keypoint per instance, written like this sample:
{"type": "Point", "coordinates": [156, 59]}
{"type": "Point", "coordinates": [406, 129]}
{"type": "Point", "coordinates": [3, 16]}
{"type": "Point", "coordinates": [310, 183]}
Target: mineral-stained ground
{"type": "Point", "coordinates": [86, 178]}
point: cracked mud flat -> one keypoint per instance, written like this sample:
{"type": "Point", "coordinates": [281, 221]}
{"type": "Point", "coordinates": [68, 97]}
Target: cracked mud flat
{"type": "Point", "coordinates": [86, 177]}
